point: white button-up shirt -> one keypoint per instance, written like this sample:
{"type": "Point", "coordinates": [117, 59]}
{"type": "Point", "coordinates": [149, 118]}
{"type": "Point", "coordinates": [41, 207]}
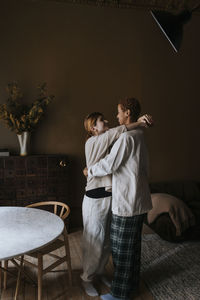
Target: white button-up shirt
{"type": "Point", "coordinates": [128, 162]}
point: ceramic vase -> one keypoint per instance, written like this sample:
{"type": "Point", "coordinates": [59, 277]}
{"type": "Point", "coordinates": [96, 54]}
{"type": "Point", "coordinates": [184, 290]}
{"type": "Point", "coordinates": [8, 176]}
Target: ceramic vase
{"type": "Point", "coordinates": [24, 138]}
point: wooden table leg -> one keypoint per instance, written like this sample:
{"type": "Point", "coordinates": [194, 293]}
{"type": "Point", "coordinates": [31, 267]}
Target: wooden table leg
{"type": "Point", "coordinates": [40, 273]}
{"type": "Point", "coordinates": [5, 274]}
{"type": "Point", "coordinates": [0, 276]}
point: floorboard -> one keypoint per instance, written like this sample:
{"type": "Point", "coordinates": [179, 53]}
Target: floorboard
{"type": "Point", "coordinates": [55, 283]}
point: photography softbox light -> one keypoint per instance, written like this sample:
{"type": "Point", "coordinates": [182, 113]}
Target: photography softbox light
{"type": "Point", "coordinates": [172, 25]}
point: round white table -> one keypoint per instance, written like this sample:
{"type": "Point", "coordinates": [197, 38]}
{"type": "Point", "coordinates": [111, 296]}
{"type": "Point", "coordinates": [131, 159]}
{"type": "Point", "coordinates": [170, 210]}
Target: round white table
{"type": "Point", "coordinates": [23, 230]}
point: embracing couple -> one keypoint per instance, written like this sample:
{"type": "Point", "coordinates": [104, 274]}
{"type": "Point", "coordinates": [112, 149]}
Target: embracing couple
{"type": "Point", "coordinates": [117, 198]}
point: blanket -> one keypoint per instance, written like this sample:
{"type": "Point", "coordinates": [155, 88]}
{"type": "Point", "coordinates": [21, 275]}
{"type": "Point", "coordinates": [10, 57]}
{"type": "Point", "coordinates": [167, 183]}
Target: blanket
{"type": "Point", "coordinates": [180, 214]}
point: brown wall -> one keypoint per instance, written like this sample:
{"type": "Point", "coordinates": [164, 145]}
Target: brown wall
{"type": "Point", "coordinates": [91, 57]}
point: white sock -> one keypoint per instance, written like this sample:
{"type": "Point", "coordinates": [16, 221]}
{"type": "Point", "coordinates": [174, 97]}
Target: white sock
{"type": "Point", "coordinates": [105, 280]}
{"type": "Point", "coordinates": [89, 289]}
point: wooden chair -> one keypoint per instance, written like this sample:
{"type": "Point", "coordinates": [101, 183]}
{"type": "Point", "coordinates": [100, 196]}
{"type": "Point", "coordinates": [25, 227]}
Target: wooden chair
{"type": "Point", "coordinates": [63, 211]}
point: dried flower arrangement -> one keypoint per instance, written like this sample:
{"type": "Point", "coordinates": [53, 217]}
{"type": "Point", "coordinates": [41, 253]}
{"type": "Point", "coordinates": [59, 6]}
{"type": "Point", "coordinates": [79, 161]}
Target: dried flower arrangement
{"type": "Point", "coordinates": [20, 117]}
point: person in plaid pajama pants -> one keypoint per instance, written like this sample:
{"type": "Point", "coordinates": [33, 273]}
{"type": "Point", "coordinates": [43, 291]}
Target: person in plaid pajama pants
{"type": "Point", "coordinates": [128, 164]}
{"type": "Point", "coordinates": [96, 207]}
{"type": "Point", "coordinates": [126, 250]}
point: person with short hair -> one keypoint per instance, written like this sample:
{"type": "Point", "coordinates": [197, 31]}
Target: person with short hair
{"type": "Point", "coordinates": [131, 200]}
{"type": "Point", "coordinates": [96, 207]}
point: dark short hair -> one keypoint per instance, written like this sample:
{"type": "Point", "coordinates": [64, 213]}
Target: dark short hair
{"type": "Point", "coordinates": [133, 105]}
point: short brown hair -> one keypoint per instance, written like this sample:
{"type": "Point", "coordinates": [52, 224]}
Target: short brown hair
{"type": "Point", "coordinates": [90, 121]}
{"type": "Point", "coordinates": [133, 105]}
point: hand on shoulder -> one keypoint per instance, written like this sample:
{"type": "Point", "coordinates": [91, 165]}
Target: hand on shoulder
{"type": "Point", "coordinates": [145, 121]}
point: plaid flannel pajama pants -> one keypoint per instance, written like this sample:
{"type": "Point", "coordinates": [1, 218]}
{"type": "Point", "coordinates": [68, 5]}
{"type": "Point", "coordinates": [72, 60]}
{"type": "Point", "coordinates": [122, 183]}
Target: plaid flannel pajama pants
{"type": "Point", "coordinates": [126, 253]}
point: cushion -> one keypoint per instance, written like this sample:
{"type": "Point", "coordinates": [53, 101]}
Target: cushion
{"type": "Point", "coordinates": [189, 193]}
{"type": "Point", "coordinates": [165, 228]}
{"type": "Point", "coordinates": [180, 214]}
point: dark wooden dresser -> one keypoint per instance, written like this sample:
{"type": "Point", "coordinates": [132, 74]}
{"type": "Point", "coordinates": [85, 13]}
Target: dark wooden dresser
{"type": "Point", "coordinates": [29, 179]}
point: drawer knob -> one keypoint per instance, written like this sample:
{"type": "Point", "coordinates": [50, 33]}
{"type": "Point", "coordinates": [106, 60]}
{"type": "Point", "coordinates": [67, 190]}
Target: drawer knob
{"type": "Point", "coordinates": [62, 163]}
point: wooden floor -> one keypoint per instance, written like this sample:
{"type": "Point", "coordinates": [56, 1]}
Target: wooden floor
{"type": "Point", "coordinates": [55, 284]}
